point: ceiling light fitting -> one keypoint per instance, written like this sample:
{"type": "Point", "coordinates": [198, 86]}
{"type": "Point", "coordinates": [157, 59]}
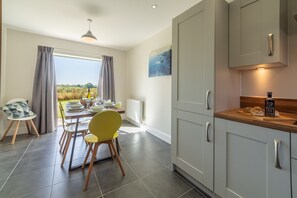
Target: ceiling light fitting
{"type": "Point", "coordinates": [154, 6]}
{"type": "Point", "coordinates": [89, 37]}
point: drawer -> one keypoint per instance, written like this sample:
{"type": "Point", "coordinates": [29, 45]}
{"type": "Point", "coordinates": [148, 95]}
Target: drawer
{"type": "Point", "coordinates": [294, 178]}
{"type": "Point", "coordinates": [294, 145]}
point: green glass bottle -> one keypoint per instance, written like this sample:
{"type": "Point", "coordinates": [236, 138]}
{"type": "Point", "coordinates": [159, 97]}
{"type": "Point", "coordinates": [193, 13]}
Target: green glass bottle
{"type": "Point", "coordinates": [89, 93]}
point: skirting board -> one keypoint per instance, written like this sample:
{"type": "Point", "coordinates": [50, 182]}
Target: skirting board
{"type": "Point", "coordinates": [159, 134]}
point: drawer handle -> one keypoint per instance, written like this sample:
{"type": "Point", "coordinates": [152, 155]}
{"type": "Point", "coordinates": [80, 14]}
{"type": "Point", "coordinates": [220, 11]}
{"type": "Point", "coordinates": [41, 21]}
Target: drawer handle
{"type": "Point", "coordinates": [270, 44]}
{"type": "Point", "coordinates": [206, 130]}
{"type": "Point", "coordinates": [207, 99]}
{"type": "Point", "coordinates": [276, 153]}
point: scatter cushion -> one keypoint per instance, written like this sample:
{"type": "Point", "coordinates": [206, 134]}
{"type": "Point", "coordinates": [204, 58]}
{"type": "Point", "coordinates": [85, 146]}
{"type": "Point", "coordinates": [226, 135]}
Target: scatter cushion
{"type": "Point", "coordinates": [18, 109]}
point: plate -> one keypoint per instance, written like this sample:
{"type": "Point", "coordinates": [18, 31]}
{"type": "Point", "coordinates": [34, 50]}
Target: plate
{"type": "Point", "coordinates": [74, 105]}
{"type": "Point", "coordinates": [71, 108]}
{"type": "Point", "coordinates": [96, 110]}
{"type": "Point", "coordinates": [73, 102]}
{"type": "Point", "coordinates": [108, 105]}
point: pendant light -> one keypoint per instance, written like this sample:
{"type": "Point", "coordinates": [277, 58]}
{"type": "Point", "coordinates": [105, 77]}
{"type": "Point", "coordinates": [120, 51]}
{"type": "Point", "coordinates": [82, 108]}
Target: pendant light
{"type": "Point", "coordinates": [89, 37]}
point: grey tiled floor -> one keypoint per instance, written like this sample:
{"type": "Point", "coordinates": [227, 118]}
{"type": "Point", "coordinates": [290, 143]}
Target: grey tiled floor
{"type": "Point", "coordinates": [31, 168]}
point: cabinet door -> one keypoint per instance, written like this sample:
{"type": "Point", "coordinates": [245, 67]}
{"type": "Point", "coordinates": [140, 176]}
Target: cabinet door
{"type": "Point", "coordinates": [251, 23]}
{"type": "Point", "coordinates": [192, 145]}
{"type": "Point", "coordinates": [245, 163]}
{"type": "Point", "coordinates": [193, 59]}
{"type": "Point", "coordinates": [294, 178]}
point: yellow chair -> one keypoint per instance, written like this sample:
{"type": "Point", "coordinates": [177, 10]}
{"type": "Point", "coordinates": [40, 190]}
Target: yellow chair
{"type": "Point", "coordinates": [103, 128]}
{"type": "Point", "coordinates": [69, 132]}
{"type": "Point", "coordinates": [66, 123]}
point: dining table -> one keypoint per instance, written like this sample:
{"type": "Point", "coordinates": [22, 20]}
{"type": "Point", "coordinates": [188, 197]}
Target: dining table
{"type": "Point", "coordinates": [82, 113]}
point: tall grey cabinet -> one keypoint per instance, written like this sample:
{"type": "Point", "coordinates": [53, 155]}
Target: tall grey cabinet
{"type": "Point", "coordinates": [201, 85]}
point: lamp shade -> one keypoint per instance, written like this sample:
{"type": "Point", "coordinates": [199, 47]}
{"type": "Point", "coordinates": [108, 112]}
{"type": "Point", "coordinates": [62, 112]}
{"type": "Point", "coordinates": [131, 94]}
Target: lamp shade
{"type": "Point", "coordinates": [88, 37]}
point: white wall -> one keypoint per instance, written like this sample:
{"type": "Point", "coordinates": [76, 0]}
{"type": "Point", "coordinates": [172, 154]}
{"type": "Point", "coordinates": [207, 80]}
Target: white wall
{"type": "Point", "coordinates": [155, 92]}
{"type": "Point", "coordinates": [281, 81]}
{"type": "Point", "coordinates": [18, 68]}
{"type": "Point", "coordinates": [21, 55]}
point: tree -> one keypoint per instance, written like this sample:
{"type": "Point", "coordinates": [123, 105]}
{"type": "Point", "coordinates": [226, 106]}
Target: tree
{"type": "Point", "coordinates": [89, 85]}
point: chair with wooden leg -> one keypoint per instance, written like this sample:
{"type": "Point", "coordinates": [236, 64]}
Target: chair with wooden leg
{"type": "Point", "coordinates": [19, 111]}
{"type": "Point", "coordinates": [103, 128]}
{"type": "Point", "coordinates": [82, 128]}
{"type": "Point", "coordinates": [66, 123]}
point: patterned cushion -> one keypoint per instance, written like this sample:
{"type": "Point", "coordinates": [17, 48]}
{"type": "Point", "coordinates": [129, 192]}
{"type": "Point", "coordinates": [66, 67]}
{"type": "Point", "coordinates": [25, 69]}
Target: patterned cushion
{"type": "Point", "coordinates": [18, 110]}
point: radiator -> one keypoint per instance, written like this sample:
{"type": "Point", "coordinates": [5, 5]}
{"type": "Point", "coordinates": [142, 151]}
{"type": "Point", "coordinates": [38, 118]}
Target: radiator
{"type": "Point", "coordinates": [134, 111]}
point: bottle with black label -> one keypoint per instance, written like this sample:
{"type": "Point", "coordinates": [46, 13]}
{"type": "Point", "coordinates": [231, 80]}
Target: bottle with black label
{"type": "Point", "coordinates": [269, 105]}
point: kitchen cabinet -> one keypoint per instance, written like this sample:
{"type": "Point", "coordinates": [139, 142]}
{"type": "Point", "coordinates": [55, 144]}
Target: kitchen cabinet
{"type": "Point", "coordinates": [294, 164]}
{"type": "Point", "coordinates": [251, 161]}
{"type": "Point", "coordinates": [201, 85]}
{"type": "Point", "coordinates": [258, 33]}
{"type": "Point", "coordinates": [294, 178]}
{"type": "Point", "coordinates": [193, 151]}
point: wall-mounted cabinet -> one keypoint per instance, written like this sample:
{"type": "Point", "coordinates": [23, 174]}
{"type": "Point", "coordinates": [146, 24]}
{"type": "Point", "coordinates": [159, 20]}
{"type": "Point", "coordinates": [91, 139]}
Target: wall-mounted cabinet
{"type": "Point", "coordinates": [258, 33]}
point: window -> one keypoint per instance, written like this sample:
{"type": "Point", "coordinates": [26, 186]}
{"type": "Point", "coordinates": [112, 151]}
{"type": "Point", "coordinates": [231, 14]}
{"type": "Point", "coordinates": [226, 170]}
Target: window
{"type": "Point", "coordinates": [74, 75]}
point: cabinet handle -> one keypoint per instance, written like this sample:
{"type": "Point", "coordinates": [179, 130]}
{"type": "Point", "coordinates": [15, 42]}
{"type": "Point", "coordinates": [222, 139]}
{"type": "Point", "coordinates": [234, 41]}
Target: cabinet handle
{"type": "Point", "coordinates": [276, 153]}
{"type": "Point", "coordinates": [206, 130]}
{"type": "Point", "coordinates": [270, 44]}
{"type": "Point", "coordinates": [207, 100]}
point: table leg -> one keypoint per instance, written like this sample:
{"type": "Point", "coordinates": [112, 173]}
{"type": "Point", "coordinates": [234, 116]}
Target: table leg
{"type": "Point", "coordinates": [73, 145]}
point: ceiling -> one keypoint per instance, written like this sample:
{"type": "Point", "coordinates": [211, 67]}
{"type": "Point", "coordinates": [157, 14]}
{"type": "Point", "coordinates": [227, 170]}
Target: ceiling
{"type": "Point", "coordinates": [119, 24]}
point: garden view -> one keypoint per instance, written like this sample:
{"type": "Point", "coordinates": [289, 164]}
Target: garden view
{"type": "Point", "coordinates": [75, 92]}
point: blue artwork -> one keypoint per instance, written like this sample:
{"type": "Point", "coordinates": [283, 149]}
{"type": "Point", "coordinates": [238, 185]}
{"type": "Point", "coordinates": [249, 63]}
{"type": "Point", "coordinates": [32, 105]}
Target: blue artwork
{"type": "Point", "coordinates": [160, 62]}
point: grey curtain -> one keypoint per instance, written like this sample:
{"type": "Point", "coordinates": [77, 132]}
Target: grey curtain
{"type": "Point", "coordinates": [44, 99]}
{"type": "Point", "coordinates": [106, 86]}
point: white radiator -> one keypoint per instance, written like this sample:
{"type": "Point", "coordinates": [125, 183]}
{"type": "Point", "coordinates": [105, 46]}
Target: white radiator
{"type": "Point", "coordinates": [134, 111]}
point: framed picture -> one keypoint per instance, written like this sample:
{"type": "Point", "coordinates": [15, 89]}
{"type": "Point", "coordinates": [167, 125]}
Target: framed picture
{"type": "Point", "coordinates": [160, 62]}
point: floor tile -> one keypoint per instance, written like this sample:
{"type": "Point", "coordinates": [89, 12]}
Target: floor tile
{"type": "Point", "coordinates": [6, 169]}
{"type": "Point", "coordinates": [20, 139]}
{"type": "Point", "coordinates": [163, 156]}
{"type": "Point", "coordinates": [34, 161]}
{"type": "Point", "coordinates": [146, 160]}
{"type": "Point", "coordinates": [62, 174]}
{"type": "Point", "coordinates": [10, 156]}
{"type": "Point", "coordinates": [165, 184]}
{"type": "Point", "coordinates": [133, 190]}
{"type": "Point", "coordinates": [193, 194]}
{"type": "Point", "coordinates": [145, 165]}
{"type": "Point", "coordinates": [74, 188]}
{"type": "Point", "coordinates": [42, 192]}
{"type": "Point", "coordinates": [27, 182]}
{"type": "Point", "coordinates": [111, 177]}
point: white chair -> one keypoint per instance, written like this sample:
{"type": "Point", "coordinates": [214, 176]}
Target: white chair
{"type": "Point", "coordinates": [27, 119]}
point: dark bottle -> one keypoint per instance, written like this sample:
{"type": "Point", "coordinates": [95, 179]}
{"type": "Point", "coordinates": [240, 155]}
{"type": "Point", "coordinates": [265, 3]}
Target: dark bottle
{"type": "Point", "coordinates": [269, 105]}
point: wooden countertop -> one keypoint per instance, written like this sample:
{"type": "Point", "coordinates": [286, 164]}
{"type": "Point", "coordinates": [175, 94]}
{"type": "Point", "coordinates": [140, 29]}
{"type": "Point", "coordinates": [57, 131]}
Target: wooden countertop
{"type": "Point", "coordinates": [286, 124]}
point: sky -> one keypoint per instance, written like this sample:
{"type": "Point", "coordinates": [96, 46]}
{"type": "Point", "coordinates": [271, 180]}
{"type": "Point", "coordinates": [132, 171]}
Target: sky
{"type": "Point", "coordinates": [75, 71]}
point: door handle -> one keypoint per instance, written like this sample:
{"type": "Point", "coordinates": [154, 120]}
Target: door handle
{"type": "Point", "coordinates": [207, 100]}
{"type": "Point", "coordinates": [276, 153]}
{"type": "Point", "coordinates": [270, 44]}
{"type": "Point", "coordinates": [206, 130]}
